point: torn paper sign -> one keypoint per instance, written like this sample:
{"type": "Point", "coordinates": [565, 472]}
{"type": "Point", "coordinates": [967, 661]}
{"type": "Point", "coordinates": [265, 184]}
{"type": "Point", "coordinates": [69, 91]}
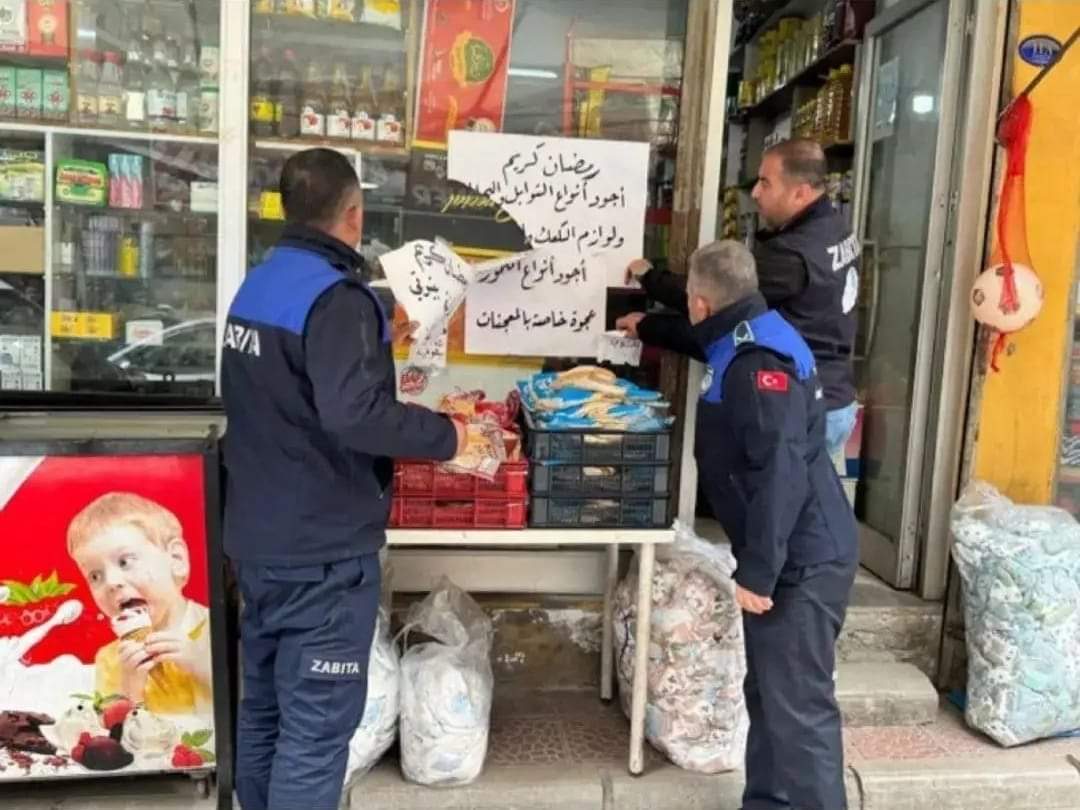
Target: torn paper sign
{"type": "Point", "coordinates": [429, 281]}
{"type": "Point", "coordinates": [580, 195]}
{"type": "Point", "coordinates": [538, 303]}
{"type": "Point", "coordinates": [618, 348]}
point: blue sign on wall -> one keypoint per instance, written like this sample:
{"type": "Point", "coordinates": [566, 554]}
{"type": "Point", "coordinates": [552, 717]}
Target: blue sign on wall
{"type": "Point", "coordinates": [1039, 50]}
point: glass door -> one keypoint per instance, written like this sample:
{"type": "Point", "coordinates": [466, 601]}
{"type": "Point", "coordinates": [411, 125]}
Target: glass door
{"type": "Point", "coordinates": [109, 197]}
{"type": "Point", "coordinates": [907, 127]}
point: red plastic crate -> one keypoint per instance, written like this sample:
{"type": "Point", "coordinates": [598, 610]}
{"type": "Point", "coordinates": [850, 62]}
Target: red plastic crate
{"type": "Point", "coordinates": [430, 513]}
{"type": "Point", "coordinates": [425, 479]}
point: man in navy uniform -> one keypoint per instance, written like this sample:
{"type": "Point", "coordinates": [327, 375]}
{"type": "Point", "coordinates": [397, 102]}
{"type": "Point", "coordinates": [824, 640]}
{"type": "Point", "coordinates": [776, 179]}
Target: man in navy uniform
{"type": "Point", "coordinates": [760, 449]}
{"type": "Point", "coordinates": [313, 423]}
{"type": "Point", "coordinates": [808, 270]}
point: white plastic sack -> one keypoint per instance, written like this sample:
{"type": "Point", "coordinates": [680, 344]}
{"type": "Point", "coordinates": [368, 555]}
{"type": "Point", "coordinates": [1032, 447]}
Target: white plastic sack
{"type": "Point", "coordinates": [378, 729]}
{"type": "Point", "coordinates": [695, 712]}
{"type": "Point", "coordinates": [446, 690]}
{"type": "Point", "coordinates": [1020, 567]}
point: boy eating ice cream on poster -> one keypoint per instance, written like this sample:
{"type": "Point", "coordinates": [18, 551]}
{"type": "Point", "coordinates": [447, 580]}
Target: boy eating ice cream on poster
{"type": "Point", "coordinates": [133, 555]}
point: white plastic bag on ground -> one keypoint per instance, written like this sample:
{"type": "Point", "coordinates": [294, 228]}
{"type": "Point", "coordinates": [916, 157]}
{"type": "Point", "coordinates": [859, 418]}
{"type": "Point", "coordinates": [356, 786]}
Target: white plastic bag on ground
{"type": "Point", "coordinates": [695, 712]}
{"type": "Point", "coordinates": [446, 690]}
{"type": "Point", "coordinates": [378, 729]}
{"type": "Point", "coordinates": [1020, 567]}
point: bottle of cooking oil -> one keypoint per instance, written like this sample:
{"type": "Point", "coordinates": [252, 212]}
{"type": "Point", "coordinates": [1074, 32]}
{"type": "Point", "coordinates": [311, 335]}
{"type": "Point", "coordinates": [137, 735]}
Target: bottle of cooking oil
{"type": "Point", "coordinates": [841, 105]}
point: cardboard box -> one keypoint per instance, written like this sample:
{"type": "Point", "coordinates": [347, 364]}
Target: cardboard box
{"type": "Point", "coordinates": [55, 95]}
{"type": "Point", "coordinates": [48, 27]}
{"type": "Point", "coordinates": [28, 86]}
{"type": "Point", "coordinates": [23, 249]}
{"type": "Point", "coordinates": [7, 91]}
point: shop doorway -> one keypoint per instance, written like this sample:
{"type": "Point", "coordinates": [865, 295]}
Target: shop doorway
{"type": "Point", "coordinates": [908, 123]}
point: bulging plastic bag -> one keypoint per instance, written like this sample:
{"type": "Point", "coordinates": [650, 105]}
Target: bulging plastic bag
{"type": "Point", "coordinates": [378, 728]}
{"type": "Point", "coordinates": [446, 689]}
{"type": "Point", "coordinates": [695, 712]}
{"type": "Point", "coordinates": [1020, 567]}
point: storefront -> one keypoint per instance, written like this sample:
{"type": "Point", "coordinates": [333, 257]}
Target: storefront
{"type": "Point", "coordinates": [140, 145]}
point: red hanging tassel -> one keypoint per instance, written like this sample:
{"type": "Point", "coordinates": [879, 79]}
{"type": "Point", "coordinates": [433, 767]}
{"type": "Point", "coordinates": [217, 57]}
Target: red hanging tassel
{"type": "Point", "coordinates": [1013, 132]}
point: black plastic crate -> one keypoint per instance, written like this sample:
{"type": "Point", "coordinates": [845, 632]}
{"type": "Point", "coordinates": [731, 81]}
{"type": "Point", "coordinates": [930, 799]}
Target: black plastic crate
{"type": "Point", "coordinates": [600, 513]}
{"type": "Point", "coordinates": [596, 446]}
{"type": "Point", "coordinates": [577, 480]}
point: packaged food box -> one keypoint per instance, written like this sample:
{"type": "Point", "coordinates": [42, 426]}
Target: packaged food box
{"type": "Point", "coordinates": [48, 27]}
{"type": "Point", "coordinates": [13, 25]}
{"type": "Point", "coordinates": [7, 91]}
{"type": "Point", "coordinates": [125, 181]}
{"type": "Point", "coordinates": [55, 95]}
{"type": "Point", "coordinates": [22, 175]}
{"type": "Point", "coordinates": [204, 197]}
{"type": "Point", "coordinates": [28, 93]}
{"type": "Point", "coordinates": [82, 182]}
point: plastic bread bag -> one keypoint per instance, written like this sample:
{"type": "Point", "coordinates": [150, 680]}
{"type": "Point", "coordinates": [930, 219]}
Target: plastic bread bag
{"type": "Point", "coordinates": [378, 728]}
{"type": "Point", "coordinates": [446, 689]}
{"type": "Point", "coordinates": [485, 450]}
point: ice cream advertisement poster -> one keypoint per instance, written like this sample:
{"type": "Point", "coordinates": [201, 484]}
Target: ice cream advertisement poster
{"type": "Point", "coordinates": [105, 663]}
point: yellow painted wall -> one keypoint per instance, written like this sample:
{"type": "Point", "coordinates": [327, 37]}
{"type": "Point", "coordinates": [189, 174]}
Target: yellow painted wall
{"type": "Point", "coordinates": [1021, 412]}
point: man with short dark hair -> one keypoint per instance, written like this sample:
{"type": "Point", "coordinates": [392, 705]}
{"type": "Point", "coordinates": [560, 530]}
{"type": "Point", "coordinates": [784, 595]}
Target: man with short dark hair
{"type": "Point", "coordinates": [760, 449]}
{"type": "Point", "coordinates": [313, 423]}
{"type": "Point", "coordinates": [808, 270]}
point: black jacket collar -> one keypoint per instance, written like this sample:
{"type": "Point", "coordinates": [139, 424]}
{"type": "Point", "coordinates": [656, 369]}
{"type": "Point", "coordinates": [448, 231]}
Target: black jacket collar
{"type": "Point", "coordinates": [724, 322]}
{"type": "Point", "coordinates": [340, 255]}
{"type": "Point", "coordinates": [821, 207]}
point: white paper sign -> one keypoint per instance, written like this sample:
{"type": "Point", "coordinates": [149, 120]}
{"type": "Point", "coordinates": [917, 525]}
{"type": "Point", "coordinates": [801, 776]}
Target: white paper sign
{"type": "Point", "coordinates": [581, 196]}
{"type": "Point", "coordinates": [618, 348]}
{"type": "Point", "coordinates": [536, 303]}
{"type": "Point", "coordinates": [429, 281]}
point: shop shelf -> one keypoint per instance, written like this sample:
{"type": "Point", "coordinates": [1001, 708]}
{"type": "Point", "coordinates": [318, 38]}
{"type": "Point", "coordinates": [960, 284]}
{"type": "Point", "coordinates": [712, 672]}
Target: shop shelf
{"type": "Point", "coordinates": [42, 128]}
{"type": "Point", "coordinates": [596, 446]}
{"type": "Point", "coordinates": [346, 147]}
{"type": "Point", "coordinates": [779, 101]}
{"type": "Point", "coordinates": [433, 513]}
{"type": "Point", "coordinates": [425, 479]}
{"type": "Point", "coordinates": [576, 480]}
{"type": "Point", "coordinates": [600, 513]}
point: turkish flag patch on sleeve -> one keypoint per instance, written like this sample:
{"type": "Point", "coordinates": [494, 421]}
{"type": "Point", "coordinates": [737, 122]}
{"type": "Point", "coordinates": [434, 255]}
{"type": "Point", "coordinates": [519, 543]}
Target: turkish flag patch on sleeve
{"type": "Point", "coordinates": [776, 381]}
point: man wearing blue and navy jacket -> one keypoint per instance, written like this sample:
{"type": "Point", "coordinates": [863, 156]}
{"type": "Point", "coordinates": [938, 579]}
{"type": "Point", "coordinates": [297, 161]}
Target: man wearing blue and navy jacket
{"type": "Point", "coordinates": [313, 423]}
{"type": "Point", "coordinates": [761, 453]}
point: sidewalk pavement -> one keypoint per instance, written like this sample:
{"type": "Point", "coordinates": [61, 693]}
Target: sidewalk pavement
{"type": "Point", "coordinates": [567, 751]}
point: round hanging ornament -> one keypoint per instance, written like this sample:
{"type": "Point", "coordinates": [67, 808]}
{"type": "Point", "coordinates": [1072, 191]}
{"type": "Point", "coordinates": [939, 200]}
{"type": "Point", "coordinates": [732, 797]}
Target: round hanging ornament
{"type": "Point", "coordinates": [1006, 310]}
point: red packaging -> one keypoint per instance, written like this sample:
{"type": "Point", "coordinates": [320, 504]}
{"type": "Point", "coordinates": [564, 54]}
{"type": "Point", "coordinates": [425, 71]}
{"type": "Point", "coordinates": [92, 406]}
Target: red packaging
{"type": "Point", "coordinates": [48, 29]}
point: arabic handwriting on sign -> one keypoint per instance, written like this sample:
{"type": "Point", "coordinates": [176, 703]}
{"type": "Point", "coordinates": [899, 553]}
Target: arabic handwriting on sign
{"type": "Point", "coordinates": [554, 319]}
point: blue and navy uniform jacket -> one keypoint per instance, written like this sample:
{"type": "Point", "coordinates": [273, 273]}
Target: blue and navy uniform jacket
{"type": "Point", "coordinates": [808, 271]}
{"type": "Point", "coordinates": [313, 420]}
{"type": "Point", "coordinates": [760, 447]}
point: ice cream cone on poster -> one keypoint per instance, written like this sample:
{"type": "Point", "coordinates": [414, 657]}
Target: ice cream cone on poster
{"type": "Point", "coordinates": [133, 624]}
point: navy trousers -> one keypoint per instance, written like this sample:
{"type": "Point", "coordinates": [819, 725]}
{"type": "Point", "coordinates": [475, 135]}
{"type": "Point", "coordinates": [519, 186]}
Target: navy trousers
{"type": "Point", "coordinates": [795, 752]}
{"type": "Point", "coordinates": [305, 639]}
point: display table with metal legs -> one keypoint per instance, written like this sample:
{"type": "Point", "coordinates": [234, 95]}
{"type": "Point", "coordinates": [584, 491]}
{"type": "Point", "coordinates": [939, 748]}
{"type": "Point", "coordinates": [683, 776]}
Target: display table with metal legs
{"type": "Point", "coordinates": [645, 540]}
